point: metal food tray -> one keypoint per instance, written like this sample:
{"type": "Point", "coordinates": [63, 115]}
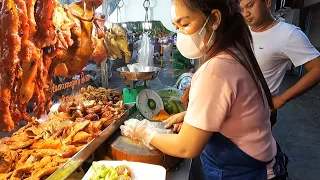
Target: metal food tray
{"type": "Point", "coordinates": [76, 161]}
{"type": "Point", "coordinates": [150, 73]}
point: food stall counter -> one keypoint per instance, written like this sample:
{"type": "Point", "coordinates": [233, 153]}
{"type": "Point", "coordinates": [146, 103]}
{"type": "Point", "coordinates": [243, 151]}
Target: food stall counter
{"type": "Point", "coordinates": [120, 148]}
{"type": "Point", "coordinates": [180, 173]}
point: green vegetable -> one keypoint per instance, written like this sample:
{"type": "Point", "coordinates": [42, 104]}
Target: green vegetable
{"type": "Point", "coordinates": [96, 166]}
{"type": "Point", "coordinates": [169, 109]}
{"type": "Point", "coordinates": [112, 174]}
{"type": "Point", "coordinates": [104, 172]}
{"type": "Point", "coordinates": [174, 107]}
{"type": "Point", "coordinates": [168, 93]}
{"type": "Point", "coordinates": [95, 176]}
{"type": "Point", "coordinates": [101, 172]}
{"type": "Point", "coordinates": [180, 108]}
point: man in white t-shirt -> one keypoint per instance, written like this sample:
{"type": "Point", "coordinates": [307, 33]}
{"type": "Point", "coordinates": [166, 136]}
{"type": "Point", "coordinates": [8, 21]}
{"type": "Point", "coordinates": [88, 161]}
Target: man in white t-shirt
{"type": "Point", "coordinates": [276, 46]}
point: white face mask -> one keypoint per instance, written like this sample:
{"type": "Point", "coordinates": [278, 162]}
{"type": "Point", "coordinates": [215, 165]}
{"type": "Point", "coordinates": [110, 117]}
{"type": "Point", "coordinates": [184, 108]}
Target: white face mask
{"type": "Point", "coordinates": [192, 46]}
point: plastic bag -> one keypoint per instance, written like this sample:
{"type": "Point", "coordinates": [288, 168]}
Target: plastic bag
{"type": "Point", "coordinates": [146, 52]}
{"type": "Point", "coordinates": [135, 67]}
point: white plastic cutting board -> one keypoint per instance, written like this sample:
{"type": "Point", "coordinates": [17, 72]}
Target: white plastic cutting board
{"type": "Point", "coordinates": [139, 171]}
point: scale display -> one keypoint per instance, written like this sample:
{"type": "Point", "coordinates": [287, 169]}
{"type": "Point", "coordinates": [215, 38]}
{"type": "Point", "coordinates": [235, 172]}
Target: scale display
{"type": "Point", "coordinates": [149, 103]}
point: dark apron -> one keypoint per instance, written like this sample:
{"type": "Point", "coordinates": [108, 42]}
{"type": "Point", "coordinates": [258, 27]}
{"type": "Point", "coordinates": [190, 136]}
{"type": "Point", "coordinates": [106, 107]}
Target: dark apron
{"type": "Point", "coordinates": [224, 160]}
{"type": "Point", "coordinates": [273, 117]}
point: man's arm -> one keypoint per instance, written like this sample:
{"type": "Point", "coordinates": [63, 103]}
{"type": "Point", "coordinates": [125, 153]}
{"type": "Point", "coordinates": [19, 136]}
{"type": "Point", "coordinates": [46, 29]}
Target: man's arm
{"type": "Point", "coordinates": [307, 82]}
{"type": "Point", "coordinates": [301, 52]}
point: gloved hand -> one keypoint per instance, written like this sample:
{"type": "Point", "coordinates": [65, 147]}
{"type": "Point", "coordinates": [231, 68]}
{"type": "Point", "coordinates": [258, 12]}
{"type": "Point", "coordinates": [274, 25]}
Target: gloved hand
{"type": "Point", "coordinates": [139, 130]}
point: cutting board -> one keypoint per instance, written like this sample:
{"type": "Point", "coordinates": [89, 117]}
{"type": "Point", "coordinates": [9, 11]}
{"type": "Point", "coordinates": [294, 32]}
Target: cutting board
{"type": "Point", "coordinates": [119, 147]}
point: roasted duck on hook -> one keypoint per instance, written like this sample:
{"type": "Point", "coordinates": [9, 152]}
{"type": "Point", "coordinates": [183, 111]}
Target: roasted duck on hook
{"type": "Point", "coordinates": [86, 44]}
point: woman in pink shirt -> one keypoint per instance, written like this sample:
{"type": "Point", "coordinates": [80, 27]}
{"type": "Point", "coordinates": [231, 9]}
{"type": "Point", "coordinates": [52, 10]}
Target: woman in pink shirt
{"type": "Point", "coordinates": [228, 115]}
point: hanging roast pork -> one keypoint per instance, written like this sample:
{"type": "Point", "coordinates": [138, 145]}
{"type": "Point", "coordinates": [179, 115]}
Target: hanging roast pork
{"type": "Point", "coordinates": [40, 38]}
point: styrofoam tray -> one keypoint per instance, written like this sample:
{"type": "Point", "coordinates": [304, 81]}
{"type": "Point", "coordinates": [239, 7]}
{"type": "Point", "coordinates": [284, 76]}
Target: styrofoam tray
{"type": "Point", "coordinates": [139, 171]}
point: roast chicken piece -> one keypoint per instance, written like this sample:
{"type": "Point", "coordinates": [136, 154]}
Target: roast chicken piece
{"type": "Point", "coordinates": [75, 58]}
{"type": "Point", "coordinates": [117, 43]}
{"type": "Point", "coordinates": [112, 46]}
{"type": "Point", "coordinates": [7, 158]}
{"type": "Point", "coordinates": [100, 50]}
{"type": "Point", "coordinates": [122, 41]}
{"type": "Point", "coordinates": [64, 25]}
{"type": "Point", "coordinates": [78, 55]}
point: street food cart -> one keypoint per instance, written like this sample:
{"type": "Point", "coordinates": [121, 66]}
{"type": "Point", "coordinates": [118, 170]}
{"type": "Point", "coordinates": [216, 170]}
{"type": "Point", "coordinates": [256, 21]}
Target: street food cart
{"type": "Point", "coordinates": [54, 119]}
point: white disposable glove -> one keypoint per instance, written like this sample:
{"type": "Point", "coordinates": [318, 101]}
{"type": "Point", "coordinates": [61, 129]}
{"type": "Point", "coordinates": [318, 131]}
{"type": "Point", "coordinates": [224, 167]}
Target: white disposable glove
{"type": "Point", "coordinates": [143, 131]}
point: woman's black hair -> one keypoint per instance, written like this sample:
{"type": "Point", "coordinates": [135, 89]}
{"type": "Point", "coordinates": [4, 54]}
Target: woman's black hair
{"type": "Point", "coordinates": [233, 32]}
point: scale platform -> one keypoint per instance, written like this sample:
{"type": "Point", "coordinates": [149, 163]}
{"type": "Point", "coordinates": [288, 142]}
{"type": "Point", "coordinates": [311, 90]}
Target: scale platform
{"type": "Point", "coordinates": [148, 102]}
{"type": "Point", "coordinates": [148, 73]}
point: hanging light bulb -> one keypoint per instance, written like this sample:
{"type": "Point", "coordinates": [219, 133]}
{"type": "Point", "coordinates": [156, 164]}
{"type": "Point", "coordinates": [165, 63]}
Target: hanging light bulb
{"type": "Point", "coordinates": [144, 25]}
{"type": "Point", "coordinates": [124, 25]}
{"type": "Point", "coordinates": [150, 25]}
{"type": "Point", "coordinates": [147, 25]}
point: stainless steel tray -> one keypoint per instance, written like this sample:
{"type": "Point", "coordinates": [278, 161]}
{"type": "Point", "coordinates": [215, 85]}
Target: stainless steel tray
{"type": "Point", "coordinates": [76, 161]}
{"type": "Point", "coordinates": [150, 73]}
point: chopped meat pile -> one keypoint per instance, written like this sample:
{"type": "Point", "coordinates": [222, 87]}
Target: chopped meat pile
{"type": "Point", "coordinates": [38, 39]}
{"type": "Point", "coordinates": [100, 94]}
{"type": "Point", "coordinates": [37, 150]}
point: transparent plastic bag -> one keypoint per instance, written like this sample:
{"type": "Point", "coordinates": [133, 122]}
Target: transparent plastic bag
{"type": "Point", "coordinates": [135, 67]}
{"type": "Point", "coordinates": [146, 52]}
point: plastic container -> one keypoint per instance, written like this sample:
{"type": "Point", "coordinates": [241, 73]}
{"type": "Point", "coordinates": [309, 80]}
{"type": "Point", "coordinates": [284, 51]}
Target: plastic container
{"type": "Point", "coordinates": [139, 171]}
